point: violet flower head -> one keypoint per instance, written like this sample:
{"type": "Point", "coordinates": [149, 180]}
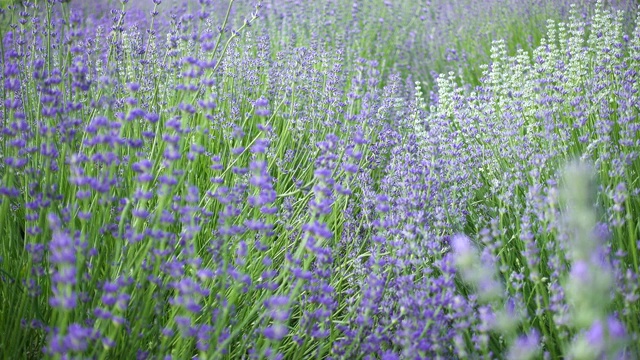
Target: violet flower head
{"type": "Point", "coordinates": [262, 107]}
{"type": "Point", "coordinates": [526, 347]}
{"type": "Point", "coordinates": [275, 332]}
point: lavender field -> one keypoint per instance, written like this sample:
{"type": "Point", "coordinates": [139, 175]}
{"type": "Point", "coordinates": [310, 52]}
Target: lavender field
{"type": "Point", "coordinates": [320, 179]}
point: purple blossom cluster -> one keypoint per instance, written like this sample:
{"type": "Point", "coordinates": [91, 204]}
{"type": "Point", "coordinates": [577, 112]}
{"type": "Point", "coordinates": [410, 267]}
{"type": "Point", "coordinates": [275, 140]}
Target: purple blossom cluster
{"type": "Point", "coordinates": [265, 180]}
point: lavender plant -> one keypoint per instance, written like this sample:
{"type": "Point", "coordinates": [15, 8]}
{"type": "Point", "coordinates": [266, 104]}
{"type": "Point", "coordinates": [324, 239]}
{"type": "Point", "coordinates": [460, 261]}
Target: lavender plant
{"type": "Point", "coordinates": [264, 180]}
{"type": "Point", "coordinates": [531, 113]}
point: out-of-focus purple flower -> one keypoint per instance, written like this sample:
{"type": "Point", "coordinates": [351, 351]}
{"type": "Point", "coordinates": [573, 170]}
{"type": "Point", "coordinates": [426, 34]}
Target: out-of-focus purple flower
{"type": "Point", "coordinates": [262, 107]}
{"type": "Point", "coordinates": [133, 86]}
{"type": "Point", "coordinates": [275, 332]}
{"type": "Point", "coordinates": [525, 347]}
{"type": "Point", "coordinates": [389, 355]}
{"type": "Point", "coordinates": [260, 146]}
{"type": "Point", "coordinates": [463, 249]}
{"type": "Point", "coordinates": [602, 340]}
{"type": "Point", "coordinates": [598, 335]}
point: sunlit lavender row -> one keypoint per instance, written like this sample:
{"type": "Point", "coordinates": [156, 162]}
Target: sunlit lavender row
{"type": "Point", "coordinates": [335, 179]}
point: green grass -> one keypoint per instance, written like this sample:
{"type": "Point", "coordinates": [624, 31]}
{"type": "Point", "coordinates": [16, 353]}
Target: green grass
{"type": "Point", "coordinates": [321, 86]}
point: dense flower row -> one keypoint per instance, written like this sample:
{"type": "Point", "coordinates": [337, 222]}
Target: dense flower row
{"type": "Point", "coordinates": [565, 248]}
{"type": "Point", "coordinates": [264, 180]}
